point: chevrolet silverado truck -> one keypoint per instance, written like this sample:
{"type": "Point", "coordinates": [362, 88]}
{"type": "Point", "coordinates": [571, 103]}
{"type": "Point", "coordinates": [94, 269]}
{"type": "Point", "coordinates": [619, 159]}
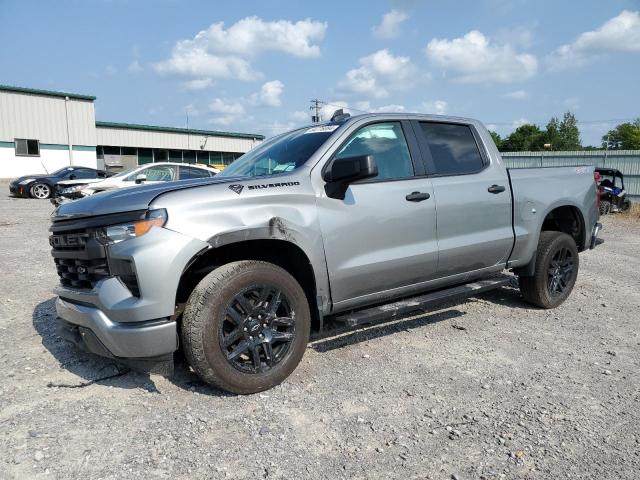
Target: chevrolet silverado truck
{"type": "Point", "coordinates": [348, 220]}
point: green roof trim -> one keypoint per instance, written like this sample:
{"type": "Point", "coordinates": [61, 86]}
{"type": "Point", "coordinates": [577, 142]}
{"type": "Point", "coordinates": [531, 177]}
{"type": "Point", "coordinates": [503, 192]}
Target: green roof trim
{"type": "Point", "coordinates": [155, 128]}
{"type": "Point", "coordinates": [48, 93]}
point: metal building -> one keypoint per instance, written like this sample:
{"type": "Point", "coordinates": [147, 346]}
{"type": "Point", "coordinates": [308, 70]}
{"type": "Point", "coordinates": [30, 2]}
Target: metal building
{"type": "Point", "coordinates": [42, 130]}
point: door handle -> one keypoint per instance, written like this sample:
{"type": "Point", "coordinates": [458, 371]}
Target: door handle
{"type": "Point", "coordinates": [496, 189]}
{"type": "Point", "coordinates": [417, 196]}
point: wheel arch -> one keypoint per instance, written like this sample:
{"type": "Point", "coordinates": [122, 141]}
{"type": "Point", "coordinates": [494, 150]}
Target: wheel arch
{"type": "Point", "coordinates": [567, 218]}
{"type": "Point", "coordinates": [283, 253]}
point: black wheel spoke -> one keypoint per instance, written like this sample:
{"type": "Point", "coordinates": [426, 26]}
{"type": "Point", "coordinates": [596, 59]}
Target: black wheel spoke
{"type": "Point", "coordinates": [244, 303]}
{"type": "Point", "coordinates": [255, 356]}
{"type": "Point", "coordinates": [268, 353]}
{"type": "Point", "coordinates": [277, 336]}
{"type": "Point", "coordinates": [282, 322]}
{"type": "Point", "coordinates": [239, 350]}
{"type": "Point", "coordinates": [233, 337]}
{"type": "Point", "coordinates": [276, 300]}
{"type": "Point", "coordinates": [236, 317]}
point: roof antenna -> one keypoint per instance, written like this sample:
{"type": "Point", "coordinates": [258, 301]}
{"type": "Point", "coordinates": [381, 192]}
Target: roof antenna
{"type": "Point", "coordinates": [339, 115]}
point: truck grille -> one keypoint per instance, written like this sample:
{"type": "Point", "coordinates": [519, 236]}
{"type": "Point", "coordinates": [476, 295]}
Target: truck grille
{"type": "Point", "coordinates": [81, 261]}
{"type": "Point", "coordinates": [78, 273]}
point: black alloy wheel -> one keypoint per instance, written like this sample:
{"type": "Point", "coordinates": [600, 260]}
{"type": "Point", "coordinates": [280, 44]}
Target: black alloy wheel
{"type": "Point", "coordinates": [560, 272]}
{"type": "Point", "coordinates": [258, 328]}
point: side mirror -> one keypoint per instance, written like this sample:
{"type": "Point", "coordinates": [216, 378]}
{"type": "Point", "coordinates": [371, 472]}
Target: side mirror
{"type": "Point", "coordinates": [141, 178]}
{"type": "Point", "coordinates": [344, 171]}
{"type": "Point", "coordinates": [72, 176]}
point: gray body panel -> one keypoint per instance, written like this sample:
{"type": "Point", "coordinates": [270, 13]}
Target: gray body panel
{"type": "Point", "coordinates": [371, 247]}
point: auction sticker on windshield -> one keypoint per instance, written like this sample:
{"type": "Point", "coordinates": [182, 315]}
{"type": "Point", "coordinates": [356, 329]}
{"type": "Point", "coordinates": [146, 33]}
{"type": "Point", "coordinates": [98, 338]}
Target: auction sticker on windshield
{"type": "Point", "coordinates": [322, 128]}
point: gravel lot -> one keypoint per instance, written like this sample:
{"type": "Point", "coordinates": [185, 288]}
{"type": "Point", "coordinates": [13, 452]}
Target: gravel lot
{"type": "Point", "coordinates": [487, 388]}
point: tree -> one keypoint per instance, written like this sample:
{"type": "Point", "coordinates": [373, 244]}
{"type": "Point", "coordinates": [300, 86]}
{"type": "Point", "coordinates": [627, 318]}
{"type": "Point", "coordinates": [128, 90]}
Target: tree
{"type": "Point", "coordinates": [625, 136]}
{"type": "Point", "coordinates": [552, 134]}
{"type": "Point", "coordinates": [569, 133]}
{"type": "Point", "coordinates": [496, 139]}
{"type": "Point", "coordinates": [525, 137]}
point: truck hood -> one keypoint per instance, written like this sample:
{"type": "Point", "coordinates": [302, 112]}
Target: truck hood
{"type": "Point", "coordinates": [128, 199]}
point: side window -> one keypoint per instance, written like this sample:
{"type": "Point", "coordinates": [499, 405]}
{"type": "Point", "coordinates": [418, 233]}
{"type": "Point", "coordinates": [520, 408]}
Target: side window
{"type": "Point", "coordinates": [83, 174]}
{"type": "Point", "coordinates": [453, 148]}
{"type": "Point", "coordinates": [190, 172]}
{"type": "Point", "coordinates": [386, 142]}
{"type": "Point", "coordinates": [160, 173]}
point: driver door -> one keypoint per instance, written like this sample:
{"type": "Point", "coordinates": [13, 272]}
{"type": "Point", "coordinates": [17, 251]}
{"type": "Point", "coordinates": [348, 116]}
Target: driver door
{"type": "Point", "coordinates": [381, 239]}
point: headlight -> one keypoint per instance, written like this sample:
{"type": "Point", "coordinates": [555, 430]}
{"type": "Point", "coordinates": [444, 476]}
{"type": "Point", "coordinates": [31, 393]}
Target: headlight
{"type": "Point", "coordinates": [72, 189]}
{"type": "Point", "coordinates": [26, 180]}
{"type": "Point", "coordinates": [137, 228]}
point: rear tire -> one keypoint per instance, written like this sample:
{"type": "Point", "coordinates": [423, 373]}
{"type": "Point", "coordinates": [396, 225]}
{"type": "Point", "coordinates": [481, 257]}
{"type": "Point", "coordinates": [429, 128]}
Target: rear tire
{"type": "Point", "coordinates": [626, 205]}
{"type": "Point", "coordinates": [605, 207]}
{"type": "Point", "coordinates": [556, 271]}
{"type": "Point", "coordinates": [246, 326]}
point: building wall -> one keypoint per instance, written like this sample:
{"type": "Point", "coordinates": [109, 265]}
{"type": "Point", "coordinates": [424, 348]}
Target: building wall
{"type": "Point", "coordinates": [52, 157]}
{"type": "Point", "coordinates": [124, 137]}
{"type": "Point", "coordinates": [44, 118]}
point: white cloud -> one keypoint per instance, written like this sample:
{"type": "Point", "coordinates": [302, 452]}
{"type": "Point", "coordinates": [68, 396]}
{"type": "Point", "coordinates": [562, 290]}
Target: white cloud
{"type": "Point", "coordinates": [277, 127]}
{"type": "Point", "coordinates": [438, 107]}
{"type": "Point", "coordinates": [134, 67]}
{"type": "Point", "coordinates": [390, 25]}
{"type": "Point", "coordinates": [197, 62]}
{"type": "Point", "coordinates": [224, 53]}
{"type": "Point", "coordinates": [197, 84]}
{"type": "Point", "coordinates": [475, 59]}
{"type": "Point", "coordinates": [392, 108]}
{"type": "Point", "coordinates": [327, 110]}
{"type": "Point", "coordinates": [301, 116]}
{"type": "Point", "coordinates": [517, 95]}
{"type": "Point", "coordinates": [379, 73]}
{"type": "Point", "coordinates": [269, 94]}
{"type": "Point", "coordinates": [519, 122]}
{"type": "Point", "coordinates": [228, 111]}
{"type": "Point", "coordinates": [252, 35]}
{"type": "Point", "coordinates": [110, 70]}
{"type": "Point", "coordinates": [619, 34]}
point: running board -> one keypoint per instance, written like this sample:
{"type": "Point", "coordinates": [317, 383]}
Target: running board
{"type": "Point", "coordinates": [401, 308]}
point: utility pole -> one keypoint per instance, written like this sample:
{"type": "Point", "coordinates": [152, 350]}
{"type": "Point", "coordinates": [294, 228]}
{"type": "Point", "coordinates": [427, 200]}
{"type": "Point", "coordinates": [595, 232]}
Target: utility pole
{"type": "Point", "coordinates": [315, 106]}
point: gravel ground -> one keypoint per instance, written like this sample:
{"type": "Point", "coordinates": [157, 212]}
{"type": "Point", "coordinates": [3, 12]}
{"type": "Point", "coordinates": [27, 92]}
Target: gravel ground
{"type": "Point", "coordinates": [487, 388]}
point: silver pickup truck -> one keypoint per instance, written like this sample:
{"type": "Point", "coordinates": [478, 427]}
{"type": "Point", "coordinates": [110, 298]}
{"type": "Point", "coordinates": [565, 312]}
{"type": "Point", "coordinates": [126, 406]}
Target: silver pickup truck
{"type": "Point", "coordinates": [345, 221]}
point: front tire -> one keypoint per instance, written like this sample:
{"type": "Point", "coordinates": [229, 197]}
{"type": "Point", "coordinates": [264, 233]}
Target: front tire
{"type": "Point", "coordinates": [40, 191]}
{"type": "Point", "coordinates": [246, 326]}
{"type": "Point", "coordinates": [556, 271]}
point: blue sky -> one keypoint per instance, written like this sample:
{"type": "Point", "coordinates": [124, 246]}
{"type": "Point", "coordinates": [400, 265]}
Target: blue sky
{"type": "Point", "coordinates": [254, 65]}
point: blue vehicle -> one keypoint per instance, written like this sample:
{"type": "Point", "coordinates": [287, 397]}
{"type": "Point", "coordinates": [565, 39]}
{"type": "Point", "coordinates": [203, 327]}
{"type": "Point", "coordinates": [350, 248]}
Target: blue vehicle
{"type": "Point", "coordinates": [612, 194]}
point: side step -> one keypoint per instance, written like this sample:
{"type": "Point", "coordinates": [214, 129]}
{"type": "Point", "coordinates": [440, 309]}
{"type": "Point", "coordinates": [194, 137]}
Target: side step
{"type": "Point", "coordinates": [401, 308]}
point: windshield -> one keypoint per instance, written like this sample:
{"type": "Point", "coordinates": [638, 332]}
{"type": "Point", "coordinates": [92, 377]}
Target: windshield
{"type": "Point", "coordinates": [61, 171]}
{"type": "Point", "coordinates": [124, 173]}
{"type": "Point", "coordinates": [281, 154]}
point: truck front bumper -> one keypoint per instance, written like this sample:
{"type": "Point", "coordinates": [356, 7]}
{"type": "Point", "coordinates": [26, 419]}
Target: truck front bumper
{"type": "Point", "coordinates": [90, 329]}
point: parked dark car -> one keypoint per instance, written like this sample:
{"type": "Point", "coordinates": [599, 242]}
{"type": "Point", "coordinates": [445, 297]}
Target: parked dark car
{"type": "Point", "coordinates": [43, 185]}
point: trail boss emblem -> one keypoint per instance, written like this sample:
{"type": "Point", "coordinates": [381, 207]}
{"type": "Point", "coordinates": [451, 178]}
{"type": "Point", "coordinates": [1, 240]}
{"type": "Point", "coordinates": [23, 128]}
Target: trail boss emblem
{"type": "Point", "coordinates": [236, 188]}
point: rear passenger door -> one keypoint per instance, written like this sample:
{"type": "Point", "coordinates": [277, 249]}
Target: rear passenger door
{"type": "Point", "coordinates": [472, 199]}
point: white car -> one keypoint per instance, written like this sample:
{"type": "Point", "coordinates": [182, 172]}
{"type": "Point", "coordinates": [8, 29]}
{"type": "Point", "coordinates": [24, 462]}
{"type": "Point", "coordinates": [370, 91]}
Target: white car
{"type": "Point", "coordinates": [150, 173]}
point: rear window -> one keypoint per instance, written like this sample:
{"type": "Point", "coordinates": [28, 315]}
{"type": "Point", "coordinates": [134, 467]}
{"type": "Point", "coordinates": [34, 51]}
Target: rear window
{"type": "Point", "coordinates": [453, 148]}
